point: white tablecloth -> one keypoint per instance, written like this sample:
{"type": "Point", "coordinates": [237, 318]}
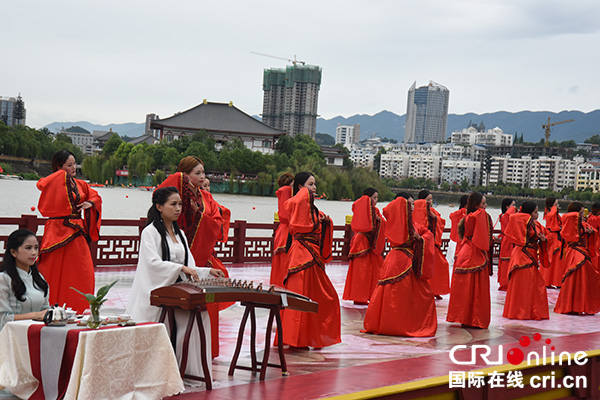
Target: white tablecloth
{"type": "Point", "coordinates": [122, 363]}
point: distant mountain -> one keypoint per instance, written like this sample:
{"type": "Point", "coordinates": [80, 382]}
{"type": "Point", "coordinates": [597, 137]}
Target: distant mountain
{"type": "Point", "coordinates": [130, 129]}
{"type": "Point", "coordinates": [528, 123]}
{"type": "Point", "coordinates": [390, 125]}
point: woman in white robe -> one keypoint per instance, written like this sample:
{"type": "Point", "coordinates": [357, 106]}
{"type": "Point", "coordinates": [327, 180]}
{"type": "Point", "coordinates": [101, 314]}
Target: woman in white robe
{"type": "Point", "coordinates": [164, 257]}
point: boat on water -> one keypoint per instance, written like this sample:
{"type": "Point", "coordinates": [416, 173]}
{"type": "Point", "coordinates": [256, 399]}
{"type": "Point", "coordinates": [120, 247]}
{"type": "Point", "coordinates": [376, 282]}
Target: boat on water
{"type": "Point", "coordinates": [11, 177]}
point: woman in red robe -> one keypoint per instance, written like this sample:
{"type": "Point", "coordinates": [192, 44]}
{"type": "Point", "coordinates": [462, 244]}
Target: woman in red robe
{"type": "Point", "coordinates": [469, 302]}
{"type": "Point", "coordinates": [279, 263]}
{"type": "Point", "coordinates": [455, 218]}
{"type": "Point", "coordinates": [311, 248]}
{"type": "Point", "coordinates": [65, 258]}
{"type": "Point", "coordinates": [579, 293]}
{"type": "Point", "coordinates": [366, 247]}
{"type": "Point", "coordinates": [506, 247]}
{"type": "Point", "coordinates": [202, 222]}
{"type": "Point", "coordinates": [594, 221]}
{"type": "Point", "coordinates": [403, 303]}
{"type": "Point", "coordinates": [424, 214]}
{"type": "Point", "coordinates": [553, 274]}
{"type": "Point", "coordinates": [213, 261]}
{"type": "Point", "coordinates": [526, 296]}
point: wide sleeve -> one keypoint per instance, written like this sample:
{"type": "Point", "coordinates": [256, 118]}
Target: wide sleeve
{"type": "Point", "coordinates": [363, 216]}
{"type": "Point", "coordinates": [398, 228]}
{"type": "Point", "coordinates": [515, 230]}
{"type": "Point", "coordinates": [6, 312]}
{"type": "Point", "coordinates": [482, 231]}
{"type": "Point", "coordinates": [553, 220]}
{"type": "Point", "coordinates": [424, 252]}
{"type": "Point", "coordinates": [150, 263]}
{"type": "Point", "coordinates": [302, 217]}
{"type": "Point", "coordinates": [543, 253]}
{"type": "Point", "coordinates": [54, 200]}
{"type": "Point", "coordinates": [283, 194]}
{"type": "Point", "coordinates": [570, 227]}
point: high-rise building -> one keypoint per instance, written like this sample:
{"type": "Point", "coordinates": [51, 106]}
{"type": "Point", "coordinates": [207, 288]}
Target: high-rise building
{"type": "Point", "coordinates": [291, 97]}
{"type": "Point", "coordinates": [347, 135]}
{"type": "Point", "coordinates": [12, 110]}
{"type": "Point", "coordinates": [426, 113]}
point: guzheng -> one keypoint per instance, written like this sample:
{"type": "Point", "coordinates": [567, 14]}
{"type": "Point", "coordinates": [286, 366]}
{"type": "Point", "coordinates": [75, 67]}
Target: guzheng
{"type": "Point", "coordinates": [189, 295]}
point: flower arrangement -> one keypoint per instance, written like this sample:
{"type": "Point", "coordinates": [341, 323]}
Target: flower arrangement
{"type": "Point", "coordinates": [95, 302]}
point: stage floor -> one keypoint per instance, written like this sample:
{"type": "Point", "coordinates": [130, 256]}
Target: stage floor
{"type": "Point", "coordinates": [362, 361]}
{"type": "Point", "coordinates": [357, 349]}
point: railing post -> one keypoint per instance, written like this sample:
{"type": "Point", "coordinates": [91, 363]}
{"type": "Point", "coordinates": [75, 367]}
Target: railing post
{"type": "Point", "coordinates": [347, 239]}
{"type": "Point", "coordinates": [30, 222]}
{"type": "Point", "coordinates": [239, 233]}
{"type": "Point", "coordinates": [94, 252]}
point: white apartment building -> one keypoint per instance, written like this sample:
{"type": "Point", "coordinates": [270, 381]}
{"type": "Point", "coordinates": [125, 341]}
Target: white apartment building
{"type": "Point", "coordinates": [347, 135]}
{"type": "Point", "coordinates": [491, 137]}
{"type": "Point", "coordinates": [456, 171]}
{"type": "Point", "coordinates": [554, 173]}
{"type": "Point", "coordinates": [363, 154]}
{"type": "Point", "coordinates": [588, 176]}
{"type": "Point", "coordinates": [401, 166]}
{"type": "Point", "coordinates": [85, 141]}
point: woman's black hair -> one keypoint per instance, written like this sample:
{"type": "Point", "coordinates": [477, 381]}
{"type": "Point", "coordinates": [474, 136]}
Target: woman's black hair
{"type": "Point", "coordinates": [300, 179]}
{"type": "Point", "coordinates": [369, 191]}
{"type": "Point", "coordinates": [528, 207]}
{"type": "Point", "coordinates": [60, 158]}
{"type": "Point", "coordinates": [473, 202]}
{"type": "Point", "coordinates": [463, 201]}
{"type": "Point", "coordinates": [506, 203]}
{"type": "Point", "coordinates": [595, 209]}
{"type": "Point", "coordinates": [9, 265]}
{"type": "Point", "coordinates": [550, 202]}
{"type": "Point", "coordinates": [423, 194]}
{"type": "Point", "coordinates": [575, 206]}
{"type": "Point", "coordinates": [161, 196]}
{"type": "Point", "coordinates": [406, 195]}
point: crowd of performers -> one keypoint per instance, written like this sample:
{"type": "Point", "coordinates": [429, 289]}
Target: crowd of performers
{"type": "Point", "coordinates": [185, 222]}
{"type": "Point", "coordinates": [400, 290]}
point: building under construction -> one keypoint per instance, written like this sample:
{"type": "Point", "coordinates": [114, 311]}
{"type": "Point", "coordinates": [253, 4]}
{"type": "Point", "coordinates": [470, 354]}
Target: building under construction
{"type": "Point", "coordinates": [291, 97]}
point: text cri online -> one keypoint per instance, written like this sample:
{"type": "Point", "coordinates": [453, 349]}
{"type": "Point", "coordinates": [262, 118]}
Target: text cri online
{"type": "Point", "coordinates": [514, 379]}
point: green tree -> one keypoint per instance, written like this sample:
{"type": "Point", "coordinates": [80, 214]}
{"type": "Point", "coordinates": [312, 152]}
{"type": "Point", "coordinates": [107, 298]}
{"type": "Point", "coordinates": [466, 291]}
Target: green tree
{"type": "Point", "coordinates": [112, 145]}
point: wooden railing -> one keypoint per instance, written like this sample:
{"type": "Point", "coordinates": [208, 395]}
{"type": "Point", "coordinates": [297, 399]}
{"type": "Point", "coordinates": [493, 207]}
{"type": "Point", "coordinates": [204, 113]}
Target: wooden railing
{"type": "Point", "coordinates": [122, 250]}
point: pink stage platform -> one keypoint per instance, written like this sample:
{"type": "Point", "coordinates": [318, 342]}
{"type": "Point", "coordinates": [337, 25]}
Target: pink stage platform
{"type": "Point", "coordinates": [375, 366]}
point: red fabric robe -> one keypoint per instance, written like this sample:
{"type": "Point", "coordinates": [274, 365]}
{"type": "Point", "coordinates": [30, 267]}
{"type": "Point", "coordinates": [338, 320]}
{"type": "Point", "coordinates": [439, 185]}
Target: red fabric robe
{"type": "Point", "coordinates": [526, 296]}
{"type": "Point", "coordinates": [311, 248]}
{"type": "Point", "coordinates": [427, 216]}
{"type": "Point", "coordinates": [594, 222]}
{"type": "Point", "coordinates": [279, 263]}
{"type": "Point", "coordinates": [506, 247]}
{"type": "Point", "coordinates": [579, 292]}
{"type": "Point", "coordinates": [553, 275]}
{"type": "Point", "coordinates": [65, 258]}
{"type": "Point", "coordinates": [470, 291]}
{"type": "Point", "coordinates": [403, 303]}
{"type": "Point", "coordinates": [203, 223]}
{"type": "Point", "coordinates": [366, 247]}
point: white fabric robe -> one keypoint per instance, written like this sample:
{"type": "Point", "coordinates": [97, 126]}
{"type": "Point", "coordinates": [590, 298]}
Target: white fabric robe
{"type": "Point", "coordinates": [151, 273]}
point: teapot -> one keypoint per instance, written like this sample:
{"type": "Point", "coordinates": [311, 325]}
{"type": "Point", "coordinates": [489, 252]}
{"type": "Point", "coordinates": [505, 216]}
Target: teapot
{"type": "Point", "coordinates": [55, 316]}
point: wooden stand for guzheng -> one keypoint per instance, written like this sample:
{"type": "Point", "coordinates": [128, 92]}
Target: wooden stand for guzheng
{"type": "Point", "coordinates": [195, 296]}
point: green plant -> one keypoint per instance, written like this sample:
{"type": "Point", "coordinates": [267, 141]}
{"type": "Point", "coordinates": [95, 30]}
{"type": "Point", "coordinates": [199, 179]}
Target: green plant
{"type": "Point", "coordinates": [95, 303]}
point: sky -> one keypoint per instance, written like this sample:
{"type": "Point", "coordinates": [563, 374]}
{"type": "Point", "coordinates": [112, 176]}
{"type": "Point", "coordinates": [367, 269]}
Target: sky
{"type": "Point", "coordinates": [116, 61]}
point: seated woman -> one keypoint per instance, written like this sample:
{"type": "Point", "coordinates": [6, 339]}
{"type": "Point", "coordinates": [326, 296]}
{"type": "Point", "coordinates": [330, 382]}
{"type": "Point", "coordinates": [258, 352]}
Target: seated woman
{"type": "Point", "coordinates": [164, 259]}
{"type": "Point", "coordinates": [23, 291]}
{"type": "Point", "coordinates": [526, 296]}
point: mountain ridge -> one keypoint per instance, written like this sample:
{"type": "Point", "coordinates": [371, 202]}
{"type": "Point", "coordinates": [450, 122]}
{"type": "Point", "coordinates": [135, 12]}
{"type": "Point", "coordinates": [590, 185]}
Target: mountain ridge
{"type": "Point", "coordinates": [388, 124]}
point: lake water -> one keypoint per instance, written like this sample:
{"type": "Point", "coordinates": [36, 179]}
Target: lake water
{"type": "Point", "coordinates": [18, 197]}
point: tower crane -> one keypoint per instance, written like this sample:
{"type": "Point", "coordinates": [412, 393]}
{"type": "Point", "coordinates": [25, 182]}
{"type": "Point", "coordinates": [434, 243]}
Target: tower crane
{"type": "Point", "coordinates": [547, 126]}
{"type": "Point", "coordinates": [294, 61]}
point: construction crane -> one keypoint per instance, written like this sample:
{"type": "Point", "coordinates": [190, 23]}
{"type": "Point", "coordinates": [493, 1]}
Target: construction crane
{"type": "Point", "coordinates": [294, 61]}
{"type": "Point", "coordinates": [547, 126]}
